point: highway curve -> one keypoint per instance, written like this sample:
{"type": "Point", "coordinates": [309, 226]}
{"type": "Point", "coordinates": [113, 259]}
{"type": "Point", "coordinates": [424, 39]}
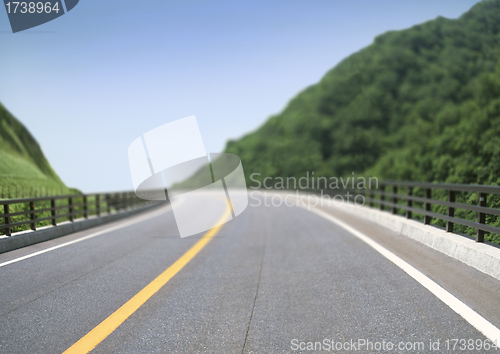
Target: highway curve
{"type": "Point", "coordinates": [270, 281]}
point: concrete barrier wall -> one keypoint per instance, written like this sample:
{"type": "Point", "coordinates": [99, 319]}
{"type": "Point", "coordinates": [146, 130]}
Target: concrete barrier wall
{"type": "Point", "coordinates": [482, 256]}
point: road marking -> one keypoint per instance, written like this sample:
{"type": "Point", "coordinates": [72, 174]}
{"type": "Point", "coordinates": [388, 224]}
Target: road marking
{"type": "Point", "coordinates": [106, 327]}
{"type": "Point", "coordinates": [480, 323]}
{"type": "Point", "coordinates": [95, 234]}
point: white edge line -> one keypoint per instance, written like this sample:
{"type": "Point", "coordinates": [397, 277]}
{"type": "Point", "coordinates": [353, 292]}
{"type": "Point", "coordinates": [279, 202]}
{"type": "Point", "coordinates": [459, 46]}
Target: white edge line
{"type": "Point", "coordinates": [480, 323]}
{"type": "Point", "coordinates": [95, 234]}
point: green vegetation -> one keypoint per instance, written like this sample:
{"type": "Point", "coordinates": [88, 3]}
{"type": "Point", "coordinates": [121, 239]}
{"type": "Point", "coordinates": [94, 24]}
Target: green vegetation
{"type": "Point", "coordinates": [419, 104]}
{"type": "Point", "coordinates": [24, 171]}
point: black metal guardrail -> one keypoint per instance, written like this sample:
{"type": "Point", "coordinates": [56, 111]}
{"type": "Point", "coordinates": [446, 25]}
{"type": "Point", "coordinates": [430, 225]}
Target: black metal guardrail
{"type": "Point", "coordinates": [388, 195]}
{"type": "Point", "coordinates": [30, 213]}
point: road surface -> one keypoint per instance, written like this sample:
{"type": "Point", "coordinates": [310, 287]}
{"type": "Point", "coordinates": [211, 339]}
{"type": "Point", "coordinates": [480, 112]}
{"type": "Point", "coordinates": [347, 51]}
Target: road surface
{"type": "Point", "coordinates": [273, 280]}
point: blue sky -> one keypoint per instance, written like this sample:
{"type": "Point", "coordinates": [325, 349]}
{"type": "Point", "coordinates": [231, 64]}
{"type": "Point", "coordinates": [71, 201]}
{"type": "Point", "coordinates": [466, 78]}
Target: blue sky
{"type": "Point", "coordinates": [90, 82]}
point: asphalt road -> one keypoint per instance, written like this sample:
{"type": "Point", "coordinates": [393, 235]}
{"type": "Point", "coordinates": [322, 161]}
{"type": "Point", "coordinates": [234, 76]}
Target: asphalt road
{"type": "Point", "coordinates": [270, 281]}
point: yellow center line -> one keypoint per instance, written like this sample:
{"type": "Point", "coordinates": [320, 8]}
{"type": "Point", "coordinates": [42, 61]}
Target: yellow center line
{"type": "Point", "coordinates": [106, 327]}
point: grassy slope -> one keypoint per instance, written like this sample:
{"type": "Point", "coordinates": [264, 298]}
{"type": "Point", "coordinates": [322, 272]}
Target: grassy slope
{"type": "Point", "coordinates": [22, 163]}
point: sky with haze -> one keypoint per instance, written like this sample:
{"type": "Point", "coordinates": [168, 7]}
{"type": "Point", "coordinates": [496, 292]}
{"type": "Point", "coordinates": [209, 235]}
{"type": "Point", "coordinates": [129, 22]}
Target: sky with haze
{"type": "Point", "coordinates": [90, 82]}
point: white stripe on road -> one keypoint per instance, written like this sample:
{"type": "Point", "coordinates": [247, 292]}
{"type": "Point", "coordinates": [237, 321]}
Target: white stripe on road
{"type": "Point", "coordinates": [476, 320]}
{"type": "Point", "coordinates": [95, 234]}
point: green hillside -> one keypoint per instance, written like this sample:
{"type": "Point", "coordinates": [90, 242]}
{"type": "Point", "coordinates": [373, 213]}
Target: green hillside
{"type": "Point", "coordinates": [23, 167]}
{"type": "Point", "coordinates": [418, 104]}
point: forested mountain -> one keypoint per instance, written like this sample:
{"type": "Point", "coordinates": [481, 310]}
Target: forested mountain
{"type": "Point", "coordinates": [417, 104]}
{"type": "Point", "coordinates": [23, 167]}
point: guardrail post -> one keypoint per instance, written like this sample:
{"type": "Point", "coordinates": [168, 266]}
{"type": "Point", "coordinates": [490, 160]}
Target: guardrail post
{"type": "Point", "coordinates": [53, 211]}
{"type": "Point", "coordinates": [8, 231]}
{"type": "Point", "coordinates": [382, 196]}
{"type": "Point", "coordinates": [85, 207]}
{"type": "Point", "coordinates": [108, 202]}
{"type": "Point", "coordinates": [129, 200]}
{"type": "Point", "coordinates": [481, 217]}
{"type": "Point", "coordinates": [70, 208]}
{"type": "Point", "coordinates": [32, 215]}
{"type": "Point", "coordinates": [97, 205]}
{"type": "Point", "coordinates": [451, 211]}
{"type": "Point", "coordinates": [409, 203]}
{"type": "Point", "coordinates": [394, 199]}
{"type": "Point", "coordinates": [428, 195]}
